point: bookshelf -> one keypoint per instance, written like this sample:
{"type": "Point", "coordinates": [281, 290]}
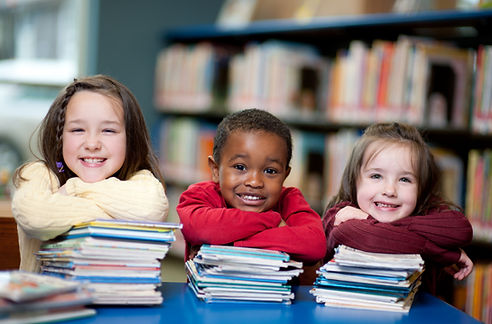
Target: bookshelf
{"type": "Point", "coordinates": [448, 43]}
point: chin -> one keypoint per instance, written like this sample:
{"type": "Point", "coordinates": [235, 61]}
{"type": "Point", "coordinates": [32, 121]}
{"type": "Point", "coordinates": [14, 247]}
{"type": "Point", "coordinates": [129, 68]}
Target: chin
{"type": "Point", "coordinates": [251, 209]}
{"type": "Point", "coordinates": [91, 179]}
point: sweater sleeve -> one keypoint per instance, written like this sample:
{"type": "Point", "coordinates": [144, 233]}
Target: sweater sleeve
{"type": "Point", "coordinates": [141, 197]}
{"type": "Point", "coordinates": [302, 237]}
{"type": "Point", "coordinates": [445, 227]}
{"type": "Point", "coordinates": [206, 220]}
{"type": "Point", "coordinates": [372, 236]}
{"type": "Point", "coordinates": [42, 212]}
{"type": "Point", "coordinates": [436, 236]}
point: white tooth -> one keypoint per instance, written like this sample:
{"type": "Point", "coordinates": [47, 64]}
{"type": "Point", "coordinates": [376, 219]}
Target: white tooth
{"type": "Point", "coordinates": [93, 160]}
{"type": "Point", "coordinates": [251, 197]}
{"type": "Point", "coordinates": [385, 205]}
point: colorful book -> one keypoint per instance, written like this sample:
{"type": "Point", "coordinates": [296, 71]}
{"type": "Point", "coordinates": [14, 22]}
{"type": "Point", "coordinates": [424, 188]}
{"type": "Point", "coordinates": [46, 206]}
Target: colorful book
{"type": "Point", "coordinates": [367, 280]}
{"type": "Point", "coordinates": [228, 273]}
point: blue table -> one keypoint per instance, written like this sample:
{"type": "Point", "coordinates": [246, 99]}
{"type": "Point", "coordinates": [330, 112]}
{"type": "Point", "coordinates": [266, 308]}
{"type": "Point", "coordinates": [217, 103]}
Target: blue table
{"type": "Point", "coordinates": [181, 306]}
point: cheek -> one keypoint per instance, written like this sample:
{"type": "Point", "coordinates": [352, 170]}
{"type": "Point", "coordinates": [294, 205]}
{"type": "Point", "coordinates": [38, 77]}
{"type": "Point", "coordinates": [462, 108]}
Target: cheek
{"type": "Point", "coordinates": [118, 146]}
{"type": "Point", "coordinates": [276, 187]}
{"type": "Point", "coordinates": [68, 145]}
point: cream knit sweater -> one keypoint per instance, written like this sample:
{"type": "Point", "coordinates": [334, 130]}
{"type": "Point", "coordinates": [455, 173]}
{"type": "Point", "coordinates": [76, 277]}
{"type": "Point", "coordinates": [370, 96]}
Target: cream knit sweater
{"type": "Point", "coordinates": [42, 213]}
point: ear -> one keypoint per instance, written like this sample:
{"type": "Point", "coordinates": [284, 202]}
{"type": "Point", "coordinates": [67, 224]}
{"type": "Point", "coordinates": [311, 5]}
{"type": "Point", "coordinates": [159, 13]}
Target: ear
{"type": "Point", "coordinates": [214, 167]}
{"type": "Point", "coordinates": [287, 172]}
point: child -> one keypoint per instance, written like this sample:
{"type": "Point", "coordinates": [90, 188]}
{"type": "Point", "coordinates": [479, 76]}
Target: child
{"type": "Point", "coordinates": [389, 202]}
{"type": "Point", "coordinates": [97, 163]}
{"type": "Point", "coordinates": [246, 204]}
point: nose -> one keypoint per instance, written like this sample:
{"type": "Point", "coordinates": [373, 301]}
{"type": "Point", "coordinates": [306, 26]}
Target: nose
{"type": "Point", "coordinates": [92, 142]}
{"type": "Point", "coordinates": [254, 179]}
{"type": "Point", "coordinates": [389, 189]}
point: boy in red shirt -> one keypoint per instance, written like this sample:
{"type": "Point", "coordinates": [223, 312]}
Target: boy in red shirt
{"type": "Point", "coordinates": [246, 203]}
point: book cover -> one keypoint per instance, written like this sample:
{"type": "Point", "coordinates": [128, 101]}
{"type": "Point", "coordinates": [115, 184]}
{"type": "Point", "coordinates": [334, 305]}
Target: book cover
{"type": "Point", "coordinates": [19, 286]}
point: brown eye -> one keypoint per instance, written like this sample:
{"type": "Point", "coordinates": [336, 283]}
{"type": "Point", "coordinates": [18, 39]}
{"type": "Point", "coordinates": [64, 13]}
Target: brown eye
{"type": "Point", "coordinates": [239, 167]}
{"type": "Point", "coordinates": [270, 171]}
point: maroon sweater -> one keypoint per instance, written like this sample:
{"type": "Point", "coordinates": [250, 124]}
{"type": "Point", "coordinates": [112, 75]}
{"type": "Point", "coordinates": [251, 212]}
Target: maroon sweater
{"type": "Point", "coordinates": [206, 219]}
{"type": "Point", "coordinates": [436, 236]}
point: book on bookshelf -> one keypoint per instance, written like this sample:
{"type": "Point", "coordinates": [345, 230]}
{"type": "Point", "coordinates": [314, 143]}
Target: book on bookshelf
{"type": "Point", "coordinates": [482, 99]}
{"type": "Point", "coordinates": [184, 147]}
{"type": "Point", "coordinates": [479, 193]}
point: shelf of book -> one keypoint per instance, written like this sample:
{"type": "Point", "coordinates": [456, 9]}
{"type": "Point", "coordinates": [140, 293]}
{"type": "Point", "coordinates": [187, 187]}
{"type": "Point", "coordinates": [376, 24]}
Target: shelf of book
{"type": "Point", "coordinates": [328, 79]}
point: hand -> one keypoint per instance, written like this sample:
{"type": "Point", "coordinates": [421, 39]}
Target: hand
{"type": "Point", "coordinates": [347, 213]}
{"type": "Point", "coordinates": [62, 190]}
{"type": "Point", "coordinates": [462, 268]}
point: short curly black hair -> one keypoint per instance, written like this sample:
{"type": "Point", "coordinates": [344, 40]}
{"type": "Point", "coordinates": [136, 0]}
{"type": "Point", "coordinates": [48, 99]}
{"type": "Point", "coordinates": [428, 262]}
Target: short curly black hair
{"type": "Point", "coordinates": [251, 120]}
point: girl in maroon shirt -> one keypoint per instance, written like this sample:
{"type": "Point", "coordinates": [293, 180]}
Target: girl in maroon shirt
{"type": "Point", "coordinates": [389, 202]}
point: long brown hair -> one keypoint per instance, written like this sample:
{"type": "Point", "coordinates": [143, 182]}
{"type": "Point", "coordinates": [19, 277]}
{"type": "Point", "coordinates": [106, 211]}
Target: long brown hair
{"type": "Point", "coordinates": [139, 153]}
{"type": "Point", "coordinates": [427, 171]}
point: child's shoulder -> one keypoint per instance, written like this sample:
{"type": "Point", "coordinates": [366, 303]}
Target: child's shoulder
{"type": "Point", "coordinates": [142, 174]}
{"type": "Point", "coordinates": [205, 186]}
{"type": "Point", "coordinates": [34, 168]}
{"type": "Point", "coordinates": [290, 191]}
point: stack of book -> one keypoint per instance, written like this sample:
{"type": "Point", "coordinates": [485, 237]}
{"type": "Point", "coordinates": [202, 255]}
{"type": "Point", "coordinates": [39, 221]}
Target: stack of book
{"type": "Point", "coordinates": [33, 298]}
{"type": "Point", "coordinates": [379, 281]}
{"type": "Point", "coordinates": [226, 273]}
{"type": "Point", "coordinates": [120, 260]}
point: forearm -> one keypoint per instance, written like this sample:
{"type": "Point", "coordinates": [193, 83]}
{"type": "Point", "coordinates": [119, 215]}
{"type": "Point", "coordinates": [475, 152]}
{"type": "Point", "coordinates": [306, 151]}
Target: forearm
{"type": "Point", "coordinates": [207, 225]}
{"type": "Point", "coordinates": [303, 243]}
{"type": "Point", "coordinates": [449, 229]}
{"type": "Point", "coordinates": [46, 216]}
{"type": "Point", "coordinates": [302, 236]}
{"type": "Point", "coordinates": [141, 197]}
{"type": "Point", "coordinates": [385, 238]}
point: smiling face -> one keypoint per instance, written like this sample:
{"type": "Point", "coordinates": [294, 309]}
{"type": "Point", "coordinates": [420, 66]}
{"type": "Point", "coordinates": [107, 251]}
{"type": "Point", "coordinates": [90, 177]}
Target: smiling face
{"type": "Point", "coordinates": [387, 186]}
{"type": "Point", "coordinates": [252, 170]}
{"type": "Point", "coordinates": [94, 137]}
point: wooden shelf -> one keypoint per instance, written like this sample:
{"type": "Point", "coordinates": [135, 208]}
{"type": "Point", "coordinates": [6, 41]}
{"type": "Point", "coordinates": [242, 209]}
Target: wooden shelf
{"type": "Point", "coordinates": [9, 243]}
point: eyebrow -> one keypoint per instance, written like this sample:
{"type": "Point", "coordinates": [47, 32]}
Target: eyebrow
{"type": "Point", "coordinates": [239, 156]}
{"type": "Point", "coordinates": [405, 172]}
{"type": "Point", "coordinates": [105, 122]}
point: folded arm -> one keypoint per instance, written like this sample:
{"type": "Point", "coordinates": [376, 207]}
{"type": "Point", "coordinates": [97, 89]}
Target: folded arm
{"type": "Point", "coordinates": [141, 197]}
{"type": "Point", "coordinates": [42, 212]}
{"type": "Point", "coordinates": [302, 236]}
{"type": "Point", "coordinates": [437, 235]}
{"type": "Point", "coordinates": [206, 220]}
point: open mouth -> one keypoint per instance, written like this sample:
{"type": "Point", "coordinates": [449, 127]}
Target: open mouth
{"type": "Point", "coordinates": [93, 160]}
{"type": "Point", "coordinates": [251, 197]}
{"type": "Point", "coordinates": [385, 205]}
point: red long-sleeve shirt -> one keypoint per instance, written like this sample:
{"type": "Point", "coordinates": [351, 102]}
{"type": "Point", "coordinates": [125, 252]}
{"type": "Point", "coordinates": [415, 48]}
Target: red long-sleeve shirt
{"type": "Point", "coordinates": [437, 236]}
{"type": "Point", "coordinates": [206, 219]}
